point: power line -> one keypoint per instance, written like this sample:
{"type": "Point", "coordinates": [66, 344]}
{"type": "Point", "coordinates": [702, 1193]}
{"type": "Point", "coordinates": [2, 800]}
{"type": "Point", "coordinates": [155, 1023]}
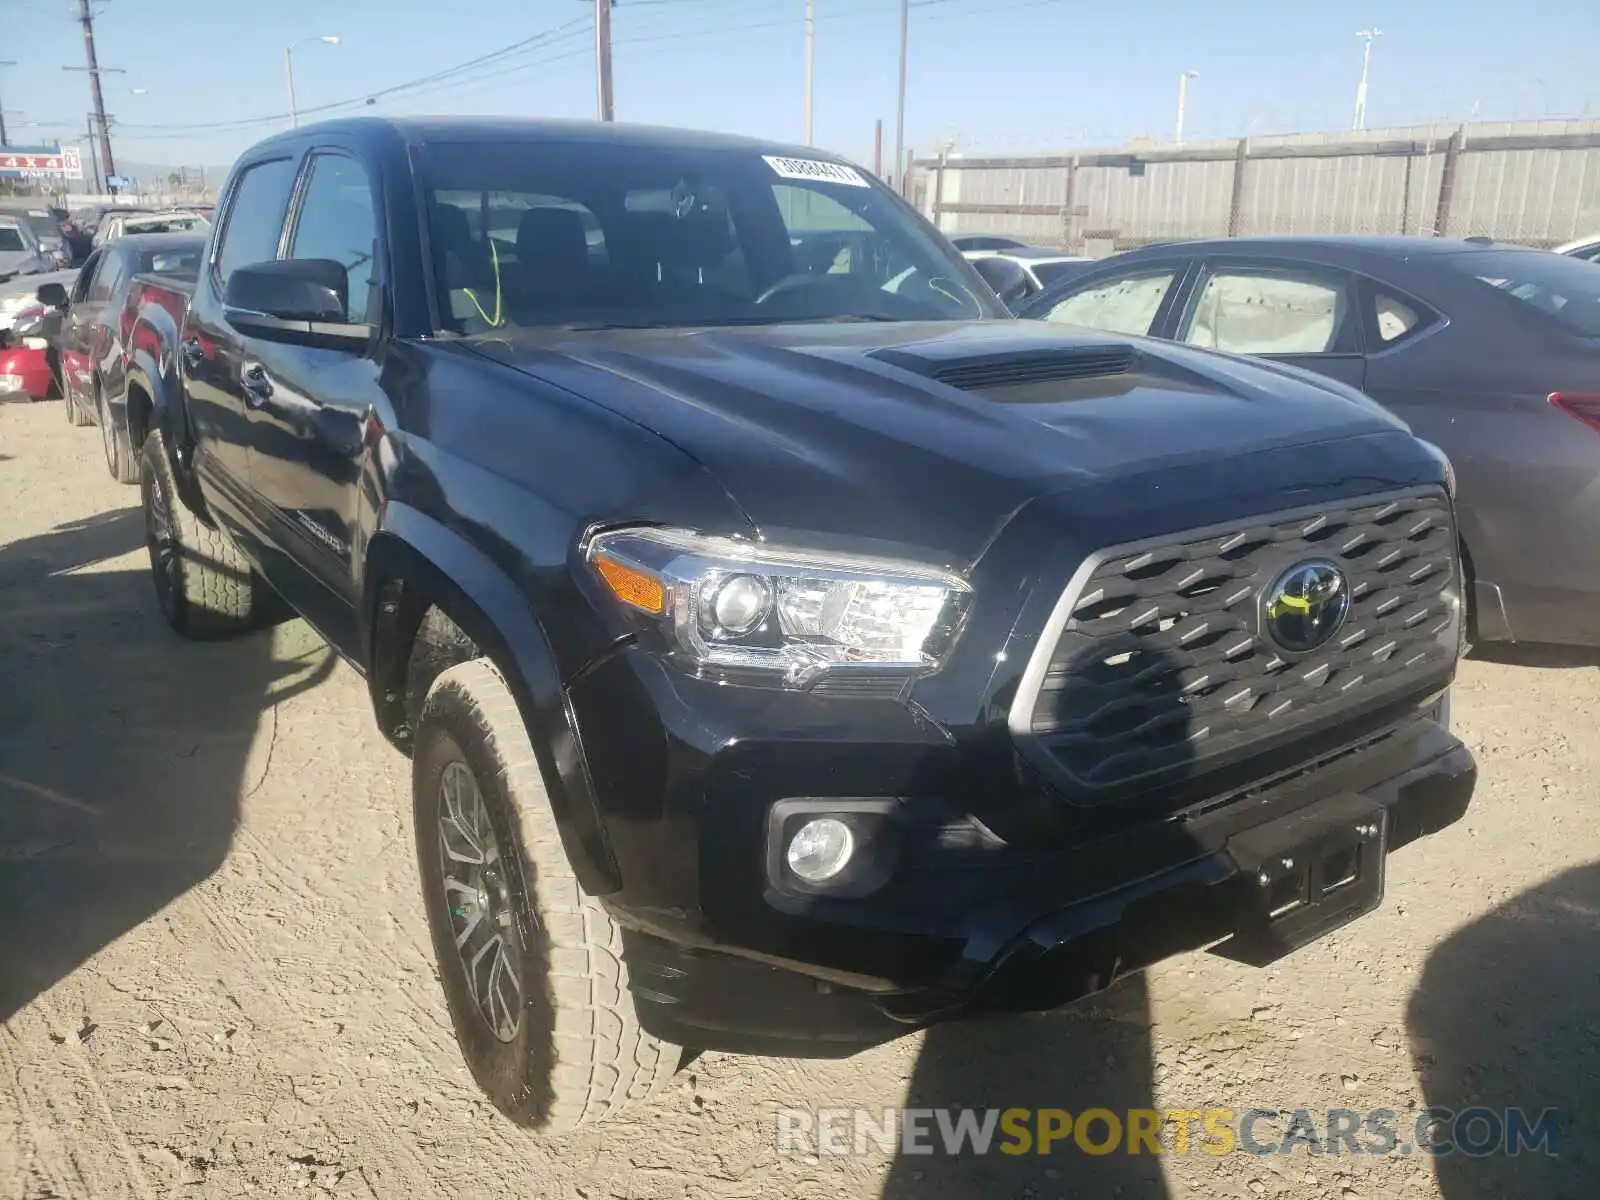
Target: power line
{"type": "Point", "coordinates": [159, 133]}
{"type": "Point", "coordinates": [568, 29]}
{"type": "Point", "coordinates": [449, 78]}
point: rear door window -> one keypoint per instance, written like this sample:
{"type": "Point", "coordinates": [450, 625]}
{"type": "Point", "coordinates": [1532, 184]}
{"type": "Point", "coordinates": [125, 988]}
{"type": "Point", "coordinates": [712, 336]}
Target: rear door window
{"type": "Point", "coordinates": [1126, 303]}
{"type": "Point", "coordinates": [1285, 309]}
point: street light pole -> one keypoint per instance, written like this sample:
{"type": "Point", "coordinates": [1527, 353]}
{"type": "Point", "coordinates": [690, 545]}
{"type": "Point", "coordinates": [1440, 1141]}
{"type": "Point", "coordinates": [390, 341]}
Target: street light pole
{"type": "Point", "coordinates": [288, 71]}
{"type": "Point", "coordinates": [1183, 101]}
{"type": "Point", "coordinates": [811, 60]}
{"type": "Point", "coordinates": [900, 109]}
{"type": "Point", "coordinates": [1369, 36]}
{"type": "Point", "coordinates": [4, 62]}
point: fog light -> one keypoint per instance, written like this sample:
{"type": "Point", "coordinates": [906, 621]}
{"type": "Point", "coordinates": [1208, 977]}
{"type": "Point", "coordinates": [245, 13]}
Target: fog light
{"type": "Point", "coordinates": [820, 849]}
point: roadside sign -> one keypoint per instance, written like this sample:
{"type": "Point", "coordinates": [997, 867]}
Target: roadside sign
{"type": "Point", "coordinates": [43, 162]}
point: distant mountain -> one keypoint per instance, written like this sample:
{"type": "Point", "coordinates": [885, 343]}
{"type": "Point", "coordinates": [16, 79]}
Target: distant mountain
{"type": "Point", "coordinates": [156, 174]}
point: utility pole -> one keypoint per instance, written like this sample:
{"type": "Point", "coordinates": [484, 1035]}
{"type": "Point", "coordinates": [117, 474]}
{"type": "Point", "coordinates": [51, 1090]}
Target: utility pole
{"type": "Point", "coordinates": [1369, 36]}
{"type": "Point", "coordinates": [94, 159]}
{"type": "Point", "coordinates": [86, 19]}
{"type": "Point", "coordinates": [1183, 102]}
{"type": "Point", "coordinates": [877, 147]}
{"type": "Point", "coordinates": [900, 111]}
{"type": "Point", "coordinates": [811, 60]}
{"type": "Point", "coordinates": [4, 62]}
{"type": "Point", "coordinates": [602, 58]}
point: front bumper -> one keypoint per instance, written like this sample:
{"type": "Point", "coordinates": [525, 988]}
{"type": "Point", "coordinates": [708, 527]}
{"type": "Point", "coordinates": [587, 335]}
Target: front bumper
{"type": "Point", "coordinates": [1182, 885]}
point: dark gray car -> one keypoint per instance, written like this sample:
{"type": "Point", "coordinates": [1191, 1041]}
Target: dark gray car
{"type": "Point", "coordinates": [1490, 351]}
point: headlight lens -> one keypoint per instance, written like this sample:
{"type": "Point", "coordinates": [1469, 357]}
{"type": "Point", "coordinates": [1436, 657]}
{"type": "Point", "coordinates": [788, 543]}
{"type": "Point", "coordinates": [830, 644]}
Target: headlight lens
{"type": "Point", "coordinates": [756, 613]}
{"type": "Point", "coordinates": [1449, 469]}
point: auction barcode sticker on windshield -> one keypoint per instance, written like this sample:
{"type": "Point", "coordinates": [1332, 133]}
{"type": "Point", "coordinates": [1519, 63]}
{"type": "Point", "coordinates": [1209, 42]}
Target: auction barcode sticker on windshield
{"type": "Point", "coordinates": [812, 169]}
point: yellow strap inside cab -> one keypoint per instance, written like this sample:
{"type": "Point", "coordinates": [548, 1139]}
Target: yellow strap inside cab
{"type": "Point", "coordinates": [494, 321]}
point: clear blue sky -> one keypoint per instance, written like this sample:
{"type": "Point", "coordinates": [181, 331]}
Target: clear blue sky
{"type": "Point", "coordinates": [1001, 75]}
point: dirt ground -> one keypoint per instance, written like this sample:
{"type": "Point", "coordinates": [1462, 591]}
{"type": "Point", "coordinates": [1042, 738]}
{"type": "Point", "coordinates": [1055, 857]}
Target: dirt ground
{"type": "Point", "coordinates": [214, 975]}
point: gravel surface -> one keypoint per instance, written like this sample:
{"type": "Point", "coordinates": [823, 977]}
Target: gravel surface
{"type": "Point", "coordinates": [214, 975]}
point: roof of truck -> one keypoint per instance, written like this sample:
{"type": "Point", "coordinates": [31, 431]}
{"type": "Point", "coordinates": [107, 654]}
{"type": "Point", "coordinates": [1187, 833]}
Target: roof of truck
{"type": "Point", "coordinates": [524, 129]}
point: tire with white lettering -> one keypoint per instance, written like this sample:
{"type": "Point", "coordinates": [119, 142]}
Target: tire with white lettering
{"type": "Point", "coordinates": [532, 968]}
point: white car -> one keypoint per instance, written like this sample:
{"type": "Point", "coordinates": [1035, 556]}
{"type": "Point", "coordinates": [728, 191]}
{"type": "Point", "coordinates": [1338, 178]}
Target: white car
{"type": "Point", "coordinates": [20, 293]}
{"type": "Point", "coordinates": [118, 224]}
{"type": "Point", "coordinates": [1043, 266]}
{"type": "Point", "coordinates": [1587, 248]}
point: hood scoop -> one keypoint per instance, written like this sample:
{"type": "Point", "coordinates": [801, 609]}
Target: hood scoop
{"type": "Point", "coordinates": [988, 372]}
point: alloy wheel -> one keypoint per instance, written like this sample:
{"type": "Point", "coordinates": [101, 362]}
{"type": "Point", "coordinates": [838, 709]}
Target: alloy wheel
{"type": "Point", "coordinates": [477, 894]}
{"type": "Point", "coordinates": [161, 540]}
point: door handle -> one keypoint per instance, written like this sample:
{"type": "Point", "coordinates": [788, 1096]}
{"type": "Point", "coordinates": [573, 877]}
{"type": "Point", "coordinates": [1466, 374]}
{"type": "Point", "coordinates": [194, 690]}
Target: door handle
{"type": "Point", "coordinates": [257, 387]}
{"type": "Point", "coordinates": [194, 353]}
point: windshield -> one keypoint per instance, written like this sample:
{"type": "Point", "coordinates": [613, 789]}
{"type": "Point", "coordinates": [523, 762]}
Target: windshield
{"type": "Point", "coordinates": [1566, 289]}
{"type": "Point", "coordinates": [1053, 272]}
{"type": "Point", "coordinates": [595, 234]}
{"type": "Point", "coordinates": [11, 238]}
{"type": "Point", "coordinates": [42, 224]}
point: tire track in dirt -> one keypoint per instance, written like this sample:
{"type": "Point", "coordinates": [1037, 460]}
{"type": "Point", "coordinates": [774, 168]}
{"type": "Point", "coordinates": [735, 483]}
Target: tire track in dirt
{"type": "Point", "coordinates": [92, 1174]}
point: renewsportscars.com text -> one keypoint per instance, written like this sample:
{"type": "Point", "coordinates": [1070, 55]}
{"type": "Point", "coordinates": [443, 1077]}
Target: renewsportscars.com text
{"type": "Point", "coordinates": [1474, 1132]}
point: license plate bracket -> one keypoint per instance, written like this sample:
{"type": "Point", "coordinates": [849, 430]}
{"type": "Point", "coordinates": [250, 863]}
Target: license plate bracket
{"type": "Point", "coordinates": [1304, 875]}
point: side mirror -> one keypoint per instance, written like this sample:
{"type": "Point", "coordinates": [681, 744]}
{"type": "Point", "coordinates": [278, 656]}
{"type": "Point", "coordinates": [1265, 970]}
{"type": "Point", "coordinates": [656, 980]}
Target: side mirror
{"type": "Point", "coordinates": [299, 300]}
{"type": "Point", "coordinates": [53, 295]}
{"type": "Point", "coordinates": [1009, 281]}
{"type": "Point", "coordinates": [30, 324]}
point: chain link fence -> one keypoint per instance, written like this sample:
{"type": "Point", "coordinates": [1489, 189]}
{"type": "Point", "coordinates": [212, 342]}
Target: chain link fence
{"type": "Point", "coordinates": [1536, 183]}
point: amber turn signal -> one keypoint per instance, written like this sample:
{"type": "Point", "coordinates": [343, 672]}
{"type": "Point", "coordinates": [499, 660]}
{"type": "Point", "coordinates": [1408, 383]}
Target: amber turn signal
{"type": "Point", "coordinates": [632, 586]}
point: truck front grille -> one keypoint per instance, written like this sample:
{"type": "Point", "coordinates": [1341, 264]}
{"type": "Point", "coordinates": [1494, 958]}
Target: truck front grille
{"type": "Point", "coordinates": [1158, 663]}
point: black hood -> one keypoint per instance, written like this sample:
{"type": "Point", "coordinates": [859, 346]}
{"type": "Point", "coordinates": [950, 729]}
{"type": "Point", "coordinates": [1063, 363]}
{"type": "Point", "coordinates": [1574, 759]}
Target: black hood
{"type": "Point", "coordinates": [932, 435]}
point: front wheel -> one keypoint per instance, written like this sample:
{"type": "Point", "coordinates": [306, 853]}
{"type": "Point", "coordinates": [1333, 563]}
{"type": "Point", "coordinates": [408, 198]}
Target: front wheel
{"type": "Point", "coordinates": [532, 969]}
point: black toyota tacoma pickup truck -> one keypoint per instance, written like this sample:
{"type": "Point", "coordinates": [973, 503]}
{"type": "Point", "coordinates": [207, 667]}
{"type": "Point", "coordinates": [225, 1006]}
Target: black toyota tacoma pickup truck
{"type": "Point", "coordinates": [792, 649]}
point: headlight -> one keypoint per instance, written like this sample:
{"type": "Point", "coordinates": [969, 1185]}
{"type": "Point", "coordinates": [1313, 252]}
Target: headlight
{"type": "Point", "coordinates": [755, 613]}
{"type": "Point", "coordinates": [1449, 470]}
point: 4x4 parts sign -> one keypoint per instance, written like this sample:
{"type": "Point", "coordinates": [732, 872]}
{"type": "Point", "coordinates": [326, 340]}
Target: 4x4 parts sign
{"type": "Point", "coordinates": [47, 160]}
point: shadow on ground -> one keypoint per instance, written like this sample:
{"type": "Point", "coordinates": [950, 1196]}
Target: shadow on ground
{"type": "Point", "coordinates": [122, 748]}
{"type": "Point", "coordinates": [1507, 1014]}
{"type": "Point", "coordinates": [1095, 1054]}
